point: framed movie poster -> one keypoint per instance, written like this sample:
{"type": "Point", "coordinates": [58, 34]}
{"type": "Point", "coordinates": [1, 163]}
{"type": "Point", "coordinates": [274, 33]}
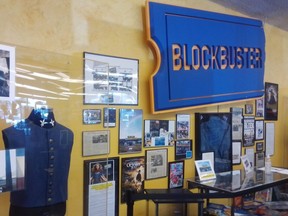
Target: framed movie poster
{"type": "Point", "coordinates": [156, 163]}
{"type": "Point", "coordinates": [159, 133]}
{"type": "Point", "coordinates": [91, 116]}
{"type": "Point", "coordinates": [133, 174]}
{"type": "Point", "coordinates": [176, 174]}
{"type": "Point", "coordinates": [95, 142]}
{"type": "Point", "coordinates": [248, 131]}
{"type": "Point", "coordinates": [237, 123]}
{"type": "Point", "coordinates": [213, 133]}
{"type": "Point", "coordinates": [109, 117]}
{"type": "Point", "coordinates": [101, 187]}
{"type": "Point", "coordinates": [259, 130]}
{"type": "Point", "coordinates": [7, 72]}
{"type": "Point", "coordinates": [271, 101]}
{"type": "Point", "coordinates": [259, 107]}
{"type": "Point", "coordinates": [130, 130]}
{"type": "Point", "coordinates": [182, 126]}
{"type": "Point", "coordinates": [183, 149]}
{"type": "Point", "coordinates": [110, 80]}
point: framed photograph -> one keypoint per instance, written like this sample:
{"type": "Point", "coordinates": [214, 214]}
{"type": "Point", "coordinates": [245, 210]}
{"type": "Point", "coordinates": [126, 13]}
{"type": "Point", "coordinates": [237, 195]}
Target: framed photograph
{"type": "Point", "coordinates": [248, 131]}
{"type": "Point", "coordinates": [259, 107]}
{"type": "Point", "coordinates": [237, 123]}
{"type": "Point", "coordinates": [182, 126]}
{"type": "Point", "coordinates": [271, 101]}
{"type": "Point", "coordinates": [182, 149]}
{"type": "Point", "coordinates": [109, 117]}
{"type": "Point", "coordinates": [7, 72]}
{"type": "Point", "coordinates": [130, 130]}
{"type": "Point", "coordinates": [259, 130]}
{"type": "Point", "coordinates": [176, 174]}
{"type": "Point", "coordinates": [259, 146]}
{"type": "Point", "coordinates": [236, 152]}
{"type": "Point", "coordinates": [213, 133]}
{"type": "Point", "coordinates": [249, 109]}
{"type": "Point", "coordinates": [209, 156]}
{"type": "Point", "coordinates": [99, 199]}
{"type": "Point", "coordinates": [269, 138]}
{"type": "Point", "coordinates": [110, 80]}
{"type": "Point", "coordinates": [91, 116]}
{"type": "Point", "coordinates": [133, 174]}
{"type": "Point", "coordinates": [205, 170]}
{"type": "Point", "coordinates": [159, 133]}
{"type": "Point", "coordinates": [156, 163]}
{"type": "Point", "coordinates": [95, 142]}
{"type": "Point", "coordinates": [259, 159]}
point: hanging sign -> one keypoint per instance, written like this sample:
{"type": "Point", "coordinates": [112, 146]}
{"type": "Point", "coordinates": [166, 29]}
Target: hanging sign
{"type": "Point", "coordinates": [203, 57]}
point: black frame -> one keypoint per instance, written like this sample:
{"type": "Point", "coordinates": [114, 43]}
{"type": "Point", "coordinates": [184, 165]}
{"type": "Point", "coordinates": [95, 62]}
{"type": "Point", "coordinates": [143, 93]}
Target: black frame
{"type": "Point", "coordinates": [183, 126]}
{"type": "Point", "coordinates": [271, 101]}
{"type": "Point", "coordinates": [259, 146]}
{"type": "Point", "coordinates": [179, 154]}
{"type": "Point", "coordinates": [249, 109]}
{"type": "Point", "coordinates": [179, 176]}
{"type": "Point", "coordinates": [259, 130]}
{"type": "Point", "coordinates": [248, 126]}
{"type": "Point", "coordinates": [259, 107]}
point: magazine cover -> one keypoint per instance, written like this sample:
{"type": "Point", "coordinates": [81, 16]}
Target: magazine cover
{"type": "Point", "coordinates": [132, 175]}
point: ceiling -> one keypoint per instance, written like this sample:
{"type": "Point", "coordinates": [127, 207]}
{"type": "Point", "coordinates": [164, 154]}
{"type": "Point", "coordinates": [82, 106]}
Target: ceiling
{"type": "Point", "coordinates": [273, 12]}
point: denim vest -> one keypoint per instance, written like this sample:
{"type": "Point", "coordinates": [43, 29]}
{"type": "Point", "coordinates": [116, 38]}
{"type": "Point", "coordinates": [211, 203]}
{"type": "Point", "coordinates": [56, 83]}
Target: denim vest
{"type": "Point", "coordinates": [47, 162]}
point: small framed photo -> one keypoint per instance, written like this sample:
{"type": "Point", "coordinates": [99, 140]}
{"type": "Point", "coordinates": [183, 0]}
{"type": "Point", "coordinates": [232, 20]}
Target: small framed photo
{"type": "Point", "coordinates": [176, 174]}
{"type": "Point", "coordinates": [182, 126]}
{"type": "Point", "coordinates": [236, 152]}
{"type": "Point", "coordinates": [259, 159]}
{"type": "Point", "coordinates": [91, 116]}
{"type": "Point", "coordinates": [271, 101]}
{"type": "Point", "coordinates": [109, 117]}
{"type": "Point", "coordinates": [95, 142]}
{"type": "Point", "coordinates": [259, 107]}
{"type": "Point", "coordinates": [249, 109]}
{"type": "Point", "coordinates": [156, 163]}
{"type": "Point", "coordinates": [205, 170]}
{"type": "Point", "coordinates": [259, 146]}
{"type": "Point", "coordinates": [259, 130]}
{"type": "Point", "coordinates": [248, 131]}
{"type": "Point", "coordinates": [182, 149]}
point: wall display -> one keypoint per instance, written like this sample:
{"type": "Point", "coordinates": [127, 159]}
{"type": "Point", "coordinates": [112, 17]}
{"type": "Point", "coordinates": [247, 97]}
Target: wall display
{"type": "Point", "coordinates": [7, 72]}
{"type": "Point", "coordinates": [236, 152]}
{"type": "Point", "coordinates": [269, 138]}
{"type": "Point", "coordinates": [259, 146]}
{"type": "Point", "coordinates": [95, 142]}
{"type": "Point", "coordinates": [251, 155]}
{"type": "Point", "coordinates": [182, 126]}
{"type": "Point", "coordinates": [209, 156]}
{"type": "Point", "coordinates": [133, 174]}
{"type": "Point", "coordinates": [259, 129]}
{"type": "Point", "coordinates": [110, 80]}
{"type": "Point", "coordinates": [101, 186]}
{"type": "Point", "coordinates": [130, 130]}
{"type": "Point", "coordinates": [109, 117]}
{"type": "Point", "coordinates": [205, 170]}
{"type": "Point", "coordinates": [248, 131]}
{"type": "Point", "coordinates": [91, 116]}
{"type": "Point", "coordinates": [249, 109]}
{"type": "Point", "coordinates": [213, 133]}
{"type": "Point", "coordinates": [156, 163]}
{"type": "Point", "coordinates": [259, 107]}
{"type": "Point", "coordinates": [237, 123]}
{"type": "Point", "coordinates": [182, 149]}
{"type": "Point", "coordinates": [159, 133]}
{"type": "Point", "coordinates": [259, 159]}
{"type": "Point", "coordinates": [176, 174]}
{"type": "Point", "coordinates": [271, 101]}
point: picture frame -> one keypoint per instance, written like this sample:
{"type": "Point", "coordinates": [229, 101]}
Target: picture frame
{"type": "Point", "coordinates": [213, 133]}
{"type": "Point", "coordinates": [246, 163]}
{"type": "Point", "coordinates": [109, 117]}
{"type": "Point", "coordinates": [110, 79]}
{"type": "Point", "coordinates": [176, 174]}
{"type": "Point", "coordinates": [183, 149]}
{"type": "Point", "coordinates": [156, 163]}
{"type": "Point", "coordinates": [271, 101]}
{"type": "Point", "coordinates": [259, 146]}
{"type": "Point", "coordinates": [98, 197]}
{"type": "Point", "coordinates": [249, 109]}
{"type": "Point", "coordinates": [259, 159]}
{"type": "Point", "coordinates": [249, 152]}
{"type": "Point", "coordinates": [259, 129]}
{"type": "Point", "coordinates": [91, 116]}
{"type": "Point", "coordinates": [237, 123]}
{"type": "Point", "coordinates": [182, 126]}
{"type": "Point", "coordinates": [269, 138]}
{"type": "Point", "coordinates": [259, 107]}
{"type": "Point", "coordinates": [130, 130]}
{"type": "Point", "coordinates": [205, 170]}
{"type": "Point", "coordinates": [248, 131]}
{"type": "Point", "coordinates": [95, 142]}
{"type": "Point", "coordinates": [7, 72]}
{"type": "Point", "coordinates": [133, 175]}
{"type": "Point", "coordinates": [159, 133]}
{"type": "Point", "coordinates": [236, 152]}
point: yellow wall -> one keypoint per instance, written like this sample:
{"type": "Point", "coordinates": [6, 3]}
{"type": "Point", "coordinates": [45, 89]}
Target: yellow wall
{"type": "Point", "coordinates": [114, 27]}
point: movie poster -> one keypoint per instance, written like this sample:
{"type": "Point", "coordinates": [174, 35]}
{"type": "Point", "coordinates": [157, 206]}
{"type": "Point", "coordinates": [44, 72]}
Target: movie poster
{"type": "Point", "coordinates": [132, 175]}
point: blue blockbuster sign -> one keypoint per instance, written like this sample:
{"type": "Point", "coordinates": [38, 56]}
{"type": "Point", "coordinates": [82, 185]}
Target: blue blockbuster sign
{"type": "Point", "coordinates": [203, 57]}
